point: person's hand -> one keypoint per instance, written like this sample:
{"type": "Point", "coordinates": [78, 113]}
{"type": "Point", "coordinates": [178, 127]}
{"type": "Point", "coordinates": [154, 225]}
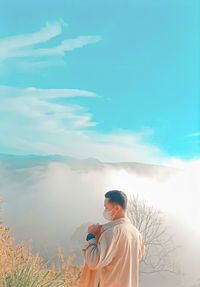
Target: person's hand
{"type": "Point", "coordinates": [94, 229]}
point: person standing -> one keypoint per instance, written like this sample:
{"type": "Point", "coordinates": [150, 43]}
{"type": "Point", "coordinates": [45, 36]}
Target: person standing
{"type": "Point", "coordinates": [113, 250]}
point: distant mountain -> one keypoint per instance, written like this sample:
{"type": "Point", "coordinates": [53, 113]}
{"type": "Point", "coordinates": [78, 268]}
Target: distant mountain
{"type": "Point", "coordinates": [147, 170]}
{"type": "Point", "coordinates": [9, 161]}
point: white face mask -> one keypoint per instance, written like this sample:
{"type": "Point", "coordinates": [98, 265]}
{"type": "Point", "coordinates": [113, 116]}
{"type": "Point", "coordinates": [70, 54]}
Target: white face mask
{"type": "Point", "coordinates": [107, 214]}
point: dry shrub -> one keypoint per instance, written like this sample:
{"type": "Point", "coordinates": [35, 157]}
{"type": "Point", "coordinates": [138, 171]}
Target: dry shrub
{"type": "Point", "coordinates": [20, 267]}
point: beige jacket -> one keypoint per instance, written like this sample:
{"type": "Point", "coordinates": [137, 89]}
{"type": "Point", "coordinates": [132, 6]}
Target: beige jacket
{"type": "Point", "coordinates": [113, 260]}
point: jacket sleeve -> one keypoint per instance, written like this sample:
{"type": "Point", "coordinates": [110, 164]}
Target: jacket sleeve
{"type": "Point", "coordinates": [101, 254]}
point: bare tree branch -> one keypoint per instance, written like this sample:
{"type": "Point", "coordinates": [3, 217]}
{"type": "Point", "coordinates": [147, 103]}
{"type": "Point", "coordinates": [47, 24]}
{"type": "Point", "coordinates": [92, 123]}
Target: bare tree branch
{"type": "Point", "coordinates": [160, 250]}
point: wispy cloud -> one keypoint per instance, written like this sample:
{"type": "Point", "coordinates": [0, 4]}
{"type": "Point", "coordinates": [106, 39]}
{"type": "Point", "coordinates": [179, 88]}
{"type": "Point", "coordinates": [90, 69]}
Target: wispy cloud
{"type": "Point", "coordinates": [32, 103]}
{"type": "Point", "coordinates": [193, 134]}
{"type": "Point", "coordinates": [32, 123]}
{"type": "Point", "coordinates": [22, 45]}
{"type": "Point", "coordinates": [10, 92]}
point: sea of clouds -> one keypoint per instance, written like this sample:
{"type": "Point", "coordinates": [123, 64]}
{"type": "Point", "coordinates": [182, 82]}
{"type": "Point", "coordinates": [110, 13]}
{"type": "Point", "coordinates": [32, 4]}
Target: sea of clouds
{"type": "Point", "coordinates": [47, 201]}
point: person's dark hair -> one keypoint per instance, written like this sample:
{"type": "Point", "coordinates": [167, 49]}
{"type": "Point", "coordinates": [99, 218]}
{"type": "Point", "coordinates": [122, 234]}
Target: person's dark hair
{"type": "Point", "coordinates": [117, 196]}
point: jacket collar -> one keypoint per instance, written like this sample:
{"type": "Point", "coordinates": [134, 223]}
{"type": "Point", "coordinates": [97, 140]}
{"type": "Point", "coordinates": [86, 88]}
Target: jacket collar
{"type": "Point", "coordinates": [116, 222]}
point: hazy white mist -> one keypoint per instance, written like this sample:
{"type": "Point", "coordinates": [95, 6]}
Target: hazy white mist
{"type": "Point", "coordinates": [47, 199]}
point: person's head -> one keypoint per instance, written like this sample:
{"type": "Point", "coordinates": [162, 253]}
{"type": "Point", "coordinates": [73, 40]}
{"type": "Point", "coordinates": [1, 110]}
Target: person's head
{"type": "Point", "coordinates": [115, 204]}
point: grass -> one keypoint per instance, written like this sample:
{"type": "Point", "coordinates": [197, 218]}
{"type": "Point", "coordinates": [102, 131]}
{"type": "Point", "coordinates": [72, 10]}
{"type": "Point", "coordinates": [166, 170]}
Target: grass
{"type": "Point", "coordinates": [19, 267]}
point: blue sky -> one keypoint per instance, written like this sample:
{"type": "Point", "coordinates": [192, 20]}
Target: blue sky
{"type": "Point", "coordinates": [115, 80]}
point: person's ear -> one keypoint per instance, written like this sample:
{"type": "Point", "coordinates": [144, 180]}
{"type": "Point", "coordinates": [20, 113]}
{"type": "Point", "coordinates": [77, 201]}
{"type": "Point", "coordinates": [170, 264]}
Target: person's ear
{"type": "Point", "coordinates": [117, 208]}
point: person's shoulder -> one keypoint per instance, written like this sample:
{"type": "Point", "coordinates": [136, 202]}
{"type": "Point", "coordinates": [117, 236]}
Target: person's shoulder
{"type": "Point", "coordinates": [131, 228]}
{"type": "Point", "coordinates": [112, 231]}
{"type": "Point", "coordinates": [119, 229]}
{"type": "Point", "coordinates": [135, 229]}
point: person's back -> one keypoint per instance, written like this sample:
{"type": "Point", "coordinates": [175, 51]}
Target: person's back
{"type": "Point", "coordinates": [128, 248]}
{"type": "Point", "coordinates": [113, 249]}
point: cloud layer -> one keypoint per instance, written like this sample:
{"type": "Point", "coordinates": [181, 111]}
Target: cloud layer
{"type": "Point", "coordinates": [33, 123]}
{"type": "Point", "coordinates": [55, 197]}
